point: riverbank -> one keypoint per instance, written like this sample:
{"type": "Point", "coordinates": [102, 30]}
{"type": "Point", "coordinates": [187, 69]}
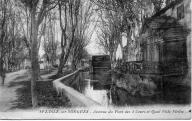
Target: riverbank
{"type": "Point", "coordinates": [77, 99]}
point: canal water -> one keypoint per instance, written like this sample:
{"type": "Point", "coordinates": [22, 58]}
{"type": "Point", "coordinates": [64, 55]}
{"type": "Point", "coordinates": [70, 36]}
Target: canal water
{"type": "Point", "coordinates": [97, 87]}
{"type": "Point", "coordinates": [101, 88]}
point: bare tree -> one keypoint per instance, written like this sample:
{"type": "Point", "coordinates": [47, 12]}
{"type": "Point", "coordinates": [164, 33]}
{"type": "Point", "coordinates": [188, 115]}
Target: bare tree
{"type": "Point", "coordinates": [84, 32]}
{"type": "Point", "coordinates": [71, 12]}
{"type": "Point", "coordinates": [7, 25]}
{"type": "Point", "coordinates": [109, 34]}
{"type": "Point", "coordinates": [38, 10]}
{"type": "Point", "coordinates": [128, 14]}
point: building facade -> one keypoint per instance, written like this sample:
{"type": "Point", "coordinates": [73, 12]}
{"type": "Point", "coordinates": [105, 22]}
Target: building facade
{"type": "Point", "coordinates": [166, 40]}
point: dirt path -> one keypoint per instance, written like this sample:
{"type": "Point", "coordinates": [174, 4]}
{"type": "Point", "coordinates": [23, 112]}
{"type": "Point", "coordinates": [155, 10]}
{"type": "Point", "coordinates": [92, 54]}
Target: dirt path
{"type": "Point", "coordinates": [8, 94]}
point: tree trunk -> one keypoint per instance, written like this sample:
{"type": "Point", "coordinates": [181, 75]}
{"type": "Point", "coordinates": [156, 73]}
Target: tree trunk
{"type": "Point", "coordinates": [34, 60]}
{"type": "Point", "coordinates": [65, 56]}
{"type": "Point", "coordinates": [63, 45]}
{"type": "Point", "coordinates": [61, 64]}
{"type": "Point", "coordinates": [74, 63]}
{"type": "Point", "coordinates": [2, 72]}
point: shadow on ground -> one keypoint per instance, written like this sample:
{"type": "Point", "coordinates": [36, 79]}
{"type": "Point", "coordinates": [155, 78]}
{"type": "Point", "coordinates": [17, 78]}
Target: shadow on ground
{"type": "Point", "coordinates": [47, 95]}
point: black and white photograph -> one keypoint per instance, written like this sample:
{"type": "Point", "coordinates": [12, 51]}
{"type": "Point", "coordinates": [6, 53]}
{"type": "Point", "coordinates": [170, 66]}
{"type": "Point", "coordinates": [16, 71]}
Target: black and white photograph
{"type": "Point", "coordinates": [95, 59]}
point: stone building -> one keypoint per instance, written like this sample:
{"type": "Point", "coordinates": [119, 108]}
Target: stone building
{"type": "Point", "coordinates": [166, 40]}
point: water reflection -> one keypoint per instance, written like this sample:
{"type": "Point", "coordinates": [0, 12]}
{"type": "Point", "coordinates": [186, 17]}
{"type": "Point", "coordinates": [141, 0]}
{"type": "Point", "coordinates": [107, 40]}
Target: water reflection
{"type": "Point", "coordinates": [101, 88]}
{"type": "Point", "coordinates": [96, 92]}
{"type": "Point", "coordinates": [97, 87]}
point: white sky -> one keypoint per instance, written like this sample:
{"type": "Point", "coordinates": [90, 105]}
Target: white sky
{"type": "Point", "coordinates": [93, 47]}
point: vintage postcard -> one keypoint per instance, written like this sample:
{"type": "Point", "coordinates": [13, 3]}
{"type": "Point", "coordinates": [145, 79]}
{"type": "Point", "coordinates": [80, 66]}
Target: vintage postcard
{"type": "Point", "coordinates": [95, 59]}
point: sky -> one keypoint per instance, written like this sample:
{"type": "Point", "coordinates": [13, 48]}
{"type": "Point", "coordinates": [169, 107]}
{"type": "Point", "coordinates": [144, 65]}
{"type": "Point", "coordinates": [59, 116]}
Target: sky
{"type": "Point", "coordinates": [93, 48]}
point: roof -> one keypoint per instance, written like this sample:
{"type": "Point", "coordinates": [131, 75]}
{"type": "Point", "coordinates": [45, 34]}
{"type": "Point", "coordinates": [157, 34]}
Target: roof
{"type": "Point", "coordinates": [171, 5]}
{"type": "Point", "coordinates": [166, 27]}
{"type": "Point", "coordinates": [162, 11]}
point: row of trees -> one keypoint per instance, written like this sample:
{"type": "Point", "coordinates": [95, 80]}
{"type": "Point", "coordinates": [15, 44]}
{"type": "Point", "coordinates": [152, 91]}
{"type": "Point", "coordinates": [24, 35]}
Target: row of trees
{"type": "Point", "coordinates": [26, 24]}
{"type": "Point", "coordinates": [12, 50]}
{"type": "Point", "coordinates": [75, 22]}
